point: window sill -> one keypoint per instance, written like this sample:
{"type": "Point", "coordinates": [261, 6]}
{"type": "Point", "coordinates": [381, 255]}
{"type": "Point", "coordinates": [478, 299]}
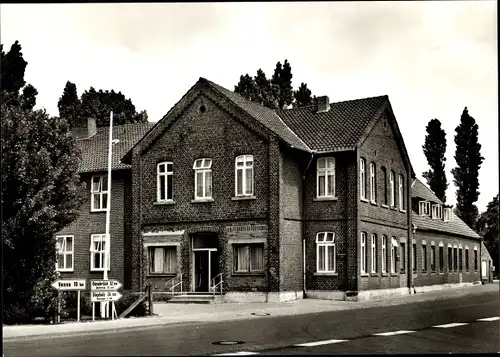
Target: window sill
{"type": "Point", "coordinates": [161, 275]}
{"type": "Point", "coordinates": [99, 270]}
{"type": "Point", "coordinates": [433, 273]}
{"type": "Point", "coordinates": [326, 274]}
{"type": "Point", "coordinates": [394, 274]}
{"type": "Point", "coordinates": [402, 272]}
{"type": "Point", "coordinates": [384, 274]}
{"type": "Point", "coordinates": [98, 211]}
{"type": "Point", "coordinates": [374, 203]}
{"type": "Point", "coordinates": [384, 206]}
{"type": "Point", "coordinates": [364, 275]}
{"type": "Point", "coordinates": [394, 208]}
{"type": "Point", "coordinates": [248, 274]}
{"type": "Point", "coordinates": [202, 200]}
{"type": "Point", "coordinates": [402, 210]}
{"type": "Point", "coordinates": [243, 198]}
{"type": "Point", "coordinates": [65, 270]}
{"type": "Point", "coordinates": [374, 274]}
{"type": "Point", "coordinates": [364, 200]}
{"type": "Point", "coordinates": [326, 198]}
{"type": "Point", "coordinates": [162, 203]}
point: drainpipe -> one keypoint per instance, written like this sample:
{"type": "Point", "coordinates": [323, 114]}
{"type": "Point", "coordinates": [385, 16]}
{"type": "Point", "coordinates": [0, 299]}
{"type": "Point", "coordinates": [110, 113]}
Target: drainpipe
{"type": "Point", "coordinates": [303, 230]}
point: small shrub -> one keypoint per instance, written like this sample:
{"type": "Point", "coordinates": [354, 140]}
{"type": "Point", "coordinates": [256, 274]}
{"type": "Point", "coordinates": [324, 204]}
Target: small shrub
{"type": "Point", "coordinates": [127, 300]}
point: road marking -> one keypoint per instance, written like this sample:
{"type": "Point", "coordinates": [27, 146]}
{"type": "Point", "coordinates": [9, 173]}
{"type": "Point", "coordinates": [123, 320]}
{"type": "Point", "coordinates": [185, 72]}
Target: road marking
{"type": "Point", "coordinates": [489, 318]}
{"type": "Point", "coordinates": [240, 353]}
{"type": "Point", "coordinates": [454, 324]}
{"type": "Point", "coordinates": [319, 343]}
{"type": "Point", "coordinates": [393, 333]}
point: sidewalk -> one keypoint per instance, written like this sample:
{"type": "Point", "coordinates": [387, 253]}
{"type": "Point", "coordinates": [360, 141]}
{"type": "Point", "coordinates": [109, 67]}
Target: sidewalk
{"type": "Point", "coordinates": [168, 314]}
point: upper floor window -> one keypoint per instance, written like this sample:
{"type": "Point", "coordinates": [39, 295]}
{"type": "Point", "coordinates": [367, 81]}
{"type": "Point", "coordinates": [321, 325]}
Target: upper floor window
{"type": "Point", "coordinates": [64, 253]}
{"type": "Point", "coordinates": [362, 178]}
{"type": "Point", "coordinates": [244, 175]}
{"type": "Point", "coordinates": [202, 178]}
{"type": "Point", "coordinates": [437, 211]}
{"type": "Point", "coordinates": [424, 208]}
{"type": "Point", "coordinates": [373, 183]}
{"type": "Point", "coordinates": [325, 177]}
{"type": "Point", "coordinates": [325, 252]}
{"type": "Point", "coordinates": [447, 214]}
{"type": "Point", "coordinates": [99, 193]}
{"type": "Point", "coordinates": [164, 181]}
{"type": "Point", "coordinates": [401, 192]}
{"type": "Point", "coordinates": [384, 192]}
{"type": "Point", "coordinates": [392, 188]}
{"type": "Point", "coordinates": [99, 246]}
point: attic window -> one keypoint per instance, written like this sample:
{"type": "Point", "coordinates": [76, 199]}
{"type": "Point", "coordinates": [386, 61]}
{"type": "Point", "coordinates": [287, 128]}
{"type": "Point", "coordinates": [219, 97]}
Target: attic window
{"type": "Point", "coordinates": [437, 211]}
{"type": "Point", "coordinates": [203, 109]}
{"type": "Point", "coordinates": [424, 208]}
{"type": "Point", "coordinates": [447, 215]}
{"type": "Point", "coordinates": [385, 124]}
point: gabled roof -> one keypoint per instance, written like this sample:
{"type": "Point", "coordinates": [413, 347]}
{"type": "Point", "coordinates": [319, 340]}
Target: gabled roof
{"type": "Point", "coordinates": [94, 150]}
{"type": "Point", "coordinates": [340, 128]}
{"type": "Point", "coordinates": [265, 116]}
{"type": "Point", "coordinates": [455, 226]}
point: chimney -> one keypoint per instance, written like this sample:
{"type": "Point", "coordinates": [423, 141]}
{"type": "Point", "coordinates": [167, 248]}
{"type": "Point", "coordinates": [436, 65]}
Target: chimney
{"type": "Point", "coordinates": [84, 129]}
{"type": "Point", "coordinates": [323, 104]}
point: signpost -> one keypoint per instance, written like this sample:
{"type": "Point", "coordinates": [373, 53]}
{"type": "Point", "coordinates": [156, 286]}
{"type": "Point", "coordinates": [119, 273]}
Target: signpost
{"type": "Point", "coordinates": [104, 291]}
{"type": "Point", "coordinates": [70, 285]}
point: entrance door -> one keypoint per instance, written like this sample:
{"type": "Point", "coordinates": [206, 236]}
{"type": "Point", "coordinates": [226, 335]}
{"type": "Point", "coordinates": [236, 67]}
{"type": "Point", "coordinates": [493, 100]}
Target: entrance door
{"type": "Point", "coordinates": [201, 270]}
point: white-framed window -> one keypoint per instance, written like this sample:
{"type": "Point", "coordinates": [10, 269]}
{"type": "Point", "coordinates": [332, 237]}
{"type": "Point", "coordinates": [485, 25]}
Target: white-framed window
{"type": "Point", "coordinates": [244, 175]}
{"type": "Point", "coordinates": [447, 216]}
{"type": "Point", "coordinates": [384, 192]}
{"type": "Point", "coordinates": [437, 211]}
{"type": "Point", "coordinates": [325, 252]}
{"type": "Point", "coordinates": [373, 183]}
{"type": "Point", "coordinates": [248, 258]}
{"type": "Point", "coordinates": [384, 254]}
{"type": "Point", "coordinates": [403, 257]}
{"type": "Point", "coordinates": [202, 178]}
{"type": "Point", "coordinates": [362, 178]}
{"type": "Point", "coordinates": [394, 250]}
{"type": "Point", "coordinates": [392, 188]}
{"type": "Point", "coordinates": [460, 258]}
{"type": "Point", "coordinates": [162, 259]}
{"type": "Point", "coordinates": [433, 258]}
{"type": "Point", "coordinates": [424, 257]}
{"type": "Point", "coordinates": [99, 193]}
{"type": "Point", "coordinates": [363, 253]}
{"type": "Point", "coordinates": [164, 181]}
{"type": "Point", "coordinates": [424, 208]}
{"type": "Point", "coordinates": [325, 177]}
{"type": "Point", "coordinates": [373, 252]}
{"type": "Point", "coordinates": [65, 253]}
{"type": "Point", "coordinates": [99, 245]}
{"type": "Point", "coordinates": [401, 192]}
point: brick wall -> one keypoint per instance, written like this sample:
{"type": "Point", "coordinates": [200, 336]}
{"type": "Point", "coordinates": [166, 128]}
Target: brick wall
{"type": "Point", "coordinates": [89, 223]}
{"type": "Point", "coordinates": [446, 276]}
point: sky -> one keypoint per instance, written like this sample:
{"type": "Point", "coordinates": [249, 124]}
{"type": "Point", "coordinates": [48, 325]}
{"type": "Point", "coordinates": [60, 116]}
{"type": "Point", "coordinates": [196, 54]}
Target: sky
{"type": "Point", "coordinates": [431, 58]}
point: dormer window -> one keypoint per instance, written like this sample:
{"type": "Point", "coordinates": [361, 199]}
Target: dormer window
{"type": "Point", "coordinates": [424, 208]}
{"type": "Point", "coordinates": [437, 211]}
{"type": "Point", "coordinates": [447, 215]}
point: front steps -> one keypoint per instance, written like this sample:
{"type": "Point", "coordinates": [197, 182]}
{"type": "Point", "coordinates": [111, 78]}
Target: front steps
{"type": "Point", "coordinates": [188, 298]}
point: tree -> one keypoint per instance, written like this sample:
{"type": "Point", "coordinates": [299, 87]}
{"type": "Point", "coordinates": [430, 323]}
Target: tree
{"type": "Point", "coordinates": [487, 227]}
{"type": "Point", "coordinates": [264, 90]}
{"type": "Point", "coordinates": [69, 104]}
{"type": "Point", "coordinates": [281, 82]}
{"type": "Point", "coordinates": [302, 96]}
{"type": "Point", "coordinates": [13, 66]}
{"type": "Point", "coordinates": [98, 104]}
{"type": "Point", "coordinates": [247, 88]}
{"type": "Point", "coordinates": [465, 174]}
{"type": "Point", "coordinates": [434, 150]}
{"type": "Point", "coordinates": [40, 196]}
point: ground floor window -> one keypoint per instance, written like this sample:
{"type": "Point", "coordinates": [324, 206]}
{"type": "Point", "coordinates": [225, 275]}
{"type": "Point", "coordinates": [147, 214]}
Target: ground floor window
{"type": "Point", "coordinates": [467, 259]}
{"type": "Point", "coordinates": [64, 253]}
{"type": "Point", "coordinates": [475, 259]}
{"type": "Point", "coordinates": [162, 260]}
{"type": "Point", "coordinates": [455, 258]}
{"type": "Point", "coordinates": [433, 258]}
{"type": "Point", "coordinates": [460, 259]}
{"type": "Point", "coordinates": [249, 258]}
{"type": "Point", "coordinates": [99, 245]}
{"type": "Point", "coordinates": [384, 254]}
{"type": "Point", "coordinates": [441, 258]}
{"type": "Point", "coordinates": [424, 257]}
{"type": "Point", "coordinates": [450, 258]}
{"type": "Point", "coordinates": [403, 258]}
{"type": "Point", "coordinates": [325, 252]}
{"type": "Point", "coordinates": [414, 260]}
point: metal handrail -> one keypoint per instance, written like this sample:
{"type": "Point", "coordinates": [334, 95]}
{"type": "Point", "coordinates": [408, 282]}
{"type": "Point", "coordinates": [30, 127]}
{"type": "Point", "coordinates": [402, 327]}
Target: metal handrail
{"type": "Point", "coordinates": [213, 286]}
{"type": "Point", "coordinates": [174, 285]}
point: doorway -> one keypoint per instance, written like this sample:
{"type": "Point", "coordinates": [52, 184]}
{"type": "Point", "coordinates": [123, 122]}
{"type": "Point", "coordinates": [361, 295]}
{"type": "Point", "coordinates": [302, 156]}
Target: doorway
{"type": "Point", "coordinates": [205, 260]}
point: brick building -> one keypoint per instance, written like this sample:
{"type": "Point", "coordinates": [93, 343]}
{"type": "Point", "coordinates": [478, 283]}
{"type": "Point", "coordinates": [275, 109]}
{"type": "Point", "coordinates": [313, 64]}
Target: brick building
{"type": "Point", "coordinates": [271, 204]}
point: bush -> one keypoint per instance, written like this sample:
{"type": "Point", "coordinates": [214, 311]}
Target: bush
{"type": "Point", "coordinates": [71, 304]}
{"type": "Point", "coordinates": [127, 300]}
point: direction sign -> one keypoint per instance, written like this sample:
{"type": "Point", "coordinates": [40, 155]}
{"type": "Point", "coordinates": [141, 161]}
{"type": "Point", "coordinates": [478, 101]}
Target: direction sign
{"type": "Point", "coordinates": [105, 285]}
{"type": "Point", "coordinates": [69, 284]}
{"type": "Point", "coordinates": [102, 296]}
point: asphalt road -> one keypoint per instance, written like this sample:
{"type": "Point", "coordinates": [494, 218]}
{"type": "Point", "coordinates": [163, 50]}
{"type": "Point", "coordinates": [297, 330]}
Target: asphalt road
{"type": "Point", "coordinates": [349, 331]}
